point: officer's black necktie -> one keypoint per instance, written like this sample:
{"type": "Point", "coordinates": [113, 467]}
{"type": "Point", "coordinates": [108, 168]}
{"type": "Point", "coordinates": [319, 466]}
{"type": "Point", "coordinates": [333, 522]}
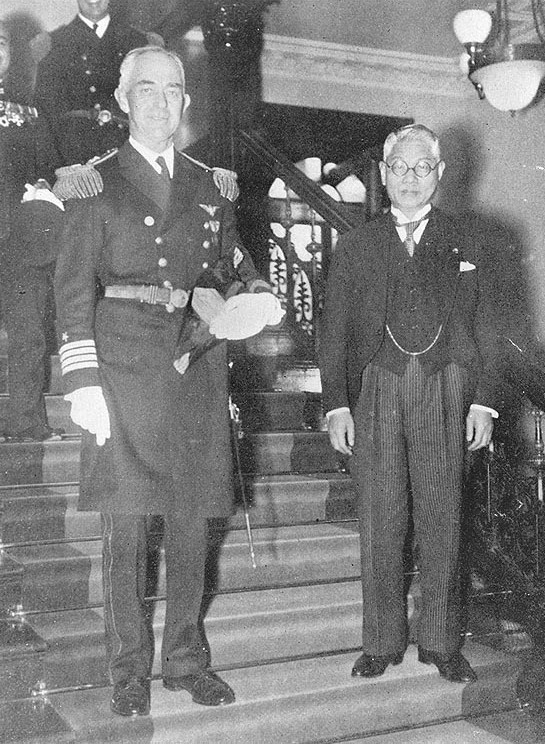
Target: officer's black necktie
{"type": "Point", "coordinates": [165, 175]}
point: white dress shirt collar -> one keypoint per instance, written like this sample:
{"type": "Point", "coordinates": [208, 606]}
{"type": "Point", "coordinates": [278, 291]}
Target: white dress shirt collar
{"type": "Point", "coordinates": [151, 156]}
{"type": "Point", "coordinates": [101, 26]}
{"type": "Point", "coordinates": [402, 219]}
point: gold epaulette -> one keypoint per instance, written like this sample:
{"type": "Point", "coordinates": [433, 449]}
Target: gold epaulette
{"type": "Point", "coordinates": [81, 181]}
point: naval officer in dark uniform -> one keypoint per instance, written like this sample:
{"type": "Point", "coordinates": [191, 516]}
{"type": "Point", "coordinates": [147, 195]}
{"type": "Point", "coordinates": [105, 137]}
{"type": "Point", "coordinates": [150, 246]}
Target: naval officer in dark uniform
{"type": "Point", "coordinates": [76, 80]}
{"type": "Point", "coordinates": [27, 253]}
{"type": "Point", "coordinates": [156, 437]}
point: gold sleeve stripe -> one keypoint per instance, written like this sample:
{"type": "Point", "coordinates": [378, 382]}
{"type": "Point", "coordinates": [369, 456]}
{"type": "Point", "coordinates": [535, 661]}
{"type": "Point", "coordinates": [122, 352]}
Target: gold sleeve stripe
{"type": "Point", "coordinates": [78, 355]}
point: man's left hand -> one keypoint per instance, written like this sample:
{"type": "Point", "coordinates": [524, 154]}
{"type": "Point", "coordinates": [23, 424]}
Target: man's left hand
{"type": "Point", "coordinates": [479, 426]}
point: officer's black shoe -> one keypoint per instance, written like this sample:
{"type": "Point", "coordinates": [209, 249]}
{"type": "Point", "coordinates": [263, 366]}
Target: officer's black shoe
{"type": "Point", "coordinates": [374, 666]}
{"type": "Point", "coordinates": [206, 688]}
{"type": "Point", "coordinates": [131, 697]}
{"type": "Point", "coordinates": [454, 667]}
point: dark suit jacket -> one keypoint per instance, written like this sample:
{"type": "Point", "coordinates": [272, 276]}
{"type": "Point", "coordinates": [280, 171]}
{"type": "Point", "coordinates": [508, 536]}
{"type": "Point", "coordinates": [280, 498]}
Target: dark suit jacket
{"type": "Point", "coordinates": [357, 294]}
{"type": "Point", "coordinates": [170, 444]}
{"type": "Point", "coordinates": [79, 72]}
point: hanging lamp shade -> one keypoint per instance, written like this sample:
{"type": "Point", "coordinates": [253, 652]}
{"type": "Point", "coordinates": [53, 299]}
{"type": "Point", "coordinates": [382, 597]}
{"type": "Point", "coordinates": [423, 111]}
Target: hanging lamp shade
{"type": "Point", "coordinates": [472, 26]}
{"type": "Point", "coordinates": [511, 85]}
{"type": "Point", "coordinates": [507, 75]}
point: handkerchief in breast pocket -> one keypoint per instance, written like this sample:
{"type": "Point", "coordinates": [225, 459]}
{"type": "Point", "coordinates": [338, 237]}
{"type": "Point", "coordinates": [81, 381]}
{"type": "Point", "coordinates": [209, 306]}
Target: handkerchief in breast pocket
{"type": "Point", "coordinates": [466, 266]}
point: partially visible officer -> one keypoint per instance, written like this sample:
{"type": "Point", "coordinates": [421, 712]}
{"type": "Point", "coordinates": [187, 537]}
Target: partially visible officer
{"type": "Point", "coordinates": [27, 252]}
{"type": "Point", "coordinates": [76, 80]}
{"type": "Point", "coordinates": [156, 437]}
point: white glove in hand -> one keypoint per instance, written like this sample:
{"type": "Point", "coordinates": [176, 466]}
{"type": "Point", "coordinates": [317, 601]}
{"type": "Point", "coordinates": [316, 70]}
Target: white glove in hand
{"type": "Point", "coordinates": [245, 315]}
{"type": "Point", "coordinates": [37, 192]}
{"type": "Point", "coordinates": [89, 411]}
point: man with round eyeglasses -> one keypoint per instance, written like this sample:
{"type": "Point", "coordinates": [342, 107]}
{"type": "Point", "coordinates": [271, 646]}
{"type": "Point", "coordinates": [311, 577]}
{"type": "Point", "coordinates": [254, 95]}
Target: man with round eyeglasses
{"type": "Point", "coordinates": [408, 358]}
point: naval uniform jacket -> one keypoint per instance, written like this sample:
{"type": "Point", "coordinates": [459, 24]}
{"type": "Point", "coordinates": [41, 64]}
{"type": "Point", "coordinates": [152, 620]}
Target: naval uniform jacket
{"type": "Point", "coordinates": [79, 72]}
{"type": "Point", "coordinates": [170, 445]}
{"type": "Point", "coordinates": [32, 226]}
{"type": "Point", "coordinates": [360, 284]}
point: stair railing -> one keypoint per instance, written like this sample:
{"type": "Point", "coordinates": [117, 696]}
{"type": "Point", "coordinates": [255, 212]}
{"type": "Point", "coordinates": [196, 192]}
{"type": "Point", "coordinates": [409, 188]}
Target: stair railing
{"type": "Point", "coordinates": [299, 280]}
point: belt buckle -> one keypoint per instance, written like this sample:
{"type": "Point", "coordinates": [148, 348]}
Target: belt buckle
{"type": "Point", "coordinates": [178, 298]}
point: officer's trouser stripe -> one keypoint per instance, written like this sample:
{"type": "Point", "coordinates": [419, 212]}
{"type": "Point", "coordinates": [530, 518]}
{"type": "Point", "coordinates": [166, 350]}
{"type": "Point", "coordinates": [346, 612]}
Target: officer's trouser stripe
{"type": "Point", "coordinates": [126, 620]}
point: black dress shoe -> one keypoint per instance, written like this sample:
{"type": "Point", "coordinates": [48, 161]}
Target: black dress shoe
{"type": "Point", "coordinates": [206, 688]}
{"type": "Point", "coordinates": [374, 666]}
{"type": "Point", "coordinates": [454, 667]}
{"type": "Point", "coordinates": [131, 697]}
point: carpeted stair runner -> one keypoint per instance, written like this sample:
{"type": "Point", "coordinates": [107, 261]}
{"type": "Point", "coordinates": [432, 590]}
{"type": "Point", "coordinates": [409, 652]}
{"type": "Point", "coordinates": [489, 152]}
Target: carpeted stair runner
{"type": "Point", "coordinates": [284, 634]}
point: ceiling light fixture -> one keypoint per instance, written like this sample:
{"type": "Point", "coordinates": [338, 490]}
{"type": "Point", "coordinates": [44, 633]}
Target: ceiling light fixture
{"type": "Point", "coordinates": [508, 75]}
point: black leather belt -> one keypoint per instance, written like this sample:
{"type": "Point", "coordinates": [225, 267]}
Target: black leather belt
{"type": "Point", "coordinates": [149, 293]}
{"type": "Point", "coordinates": [100, 115]}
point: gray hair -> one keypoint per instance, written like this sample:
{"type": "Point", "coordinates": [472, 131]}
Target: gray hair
{"type": "Point", "coordinates": [127, 66]}
{"type": "Point", "coordinates": [412, 133]}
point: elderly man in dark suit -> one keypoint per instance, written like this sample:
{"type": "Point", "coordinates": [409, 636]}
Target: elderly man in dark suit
{"type": "Point", "coordinates": [410, 382]}
{"type": "Point", "coordinates": [156, 439]}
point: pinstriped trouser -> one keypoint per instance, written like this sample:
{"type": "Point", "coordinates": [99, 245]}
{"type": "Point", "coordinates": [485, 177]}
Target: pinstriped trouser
{"type": "Point", "coordinates": [127, 619]}
{"type": "Point", "coordinates": [410, 433]}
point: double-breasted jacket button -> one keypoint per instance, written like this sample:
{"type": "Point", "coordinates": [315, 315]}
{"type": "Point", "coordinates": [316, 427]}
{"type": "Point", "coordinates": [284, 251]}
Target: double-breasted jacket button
{"type": "Point", "coordinates": [149, 221]}
{"type": "Point", "coordinates": [162, 262]}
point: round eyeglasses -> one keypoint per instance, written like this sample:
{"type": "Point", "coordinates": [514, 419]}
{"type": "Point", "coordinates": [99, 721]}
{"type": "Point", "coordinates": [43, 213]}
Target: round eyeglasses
{"type": "Point", "coordinates": [422, 169]}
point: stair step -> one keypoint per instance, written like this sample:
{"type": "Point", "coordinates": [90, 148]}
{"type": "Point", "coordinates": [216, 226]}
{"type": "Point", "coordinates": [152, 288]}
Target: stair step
{"type": "Point", "coordinates": [260, 411]}
{"type": "Point", "coordinates": [67, 576]}
{"type": "Point", "coordinates": [57, 408]}
{"type": "Point", "coordinates": [264, 453]}
{"type": "Point", "coordinates": [249, 628]}
{"type": "Point", "coordinates": [50, 512]}
{"type": "Point", "coordinates": [294, 452]}
{"type": "Point", "coordinates": [279, 410]}
{"type": "Point", "coordinates": [294, 702]}
{"type": "Point", "coordinates": [35, 462]}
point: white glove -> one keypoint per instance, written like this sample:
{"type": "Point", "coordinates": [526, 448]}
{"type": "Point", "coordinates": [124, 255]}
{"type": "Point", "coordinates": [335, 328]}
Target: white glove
{"type": "Point", "coordinates": [245, 315]}
{"type": "Point", "coordinates": [39, 192]}
{"type": "Point", "coordinates": [89, 411]}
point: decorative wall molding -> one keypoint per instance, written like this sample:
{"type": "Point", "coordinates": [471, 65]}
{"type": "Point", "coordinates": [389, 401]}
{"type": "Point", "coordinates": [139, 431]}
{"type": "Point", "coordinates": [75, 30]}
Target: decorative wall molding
{"type": "Point", "coordinates": [304, 62]}
{"type": "Point", "coordinates": [363, 67]}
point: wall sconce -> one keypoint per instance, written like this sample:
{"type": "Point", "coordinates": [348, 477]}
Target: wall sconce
{"type": "Point", "coordinates": [507, 75]}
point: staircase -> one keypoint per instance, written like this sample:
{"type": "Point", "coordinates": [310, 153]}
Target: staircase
{"type": "Point", "coordinates": [283, 634]}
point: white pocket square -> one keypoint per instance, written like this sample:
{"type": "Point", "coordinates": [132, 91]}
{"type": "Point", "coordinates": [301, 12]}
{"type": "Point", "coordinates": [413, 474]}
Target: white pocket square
{"type": "Point", "coordinates": [466, 266]}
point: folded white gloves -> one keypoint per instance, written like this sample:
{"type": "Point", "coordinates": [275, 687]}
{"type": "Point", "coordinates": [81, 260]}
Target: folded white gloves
{"type": "Point", "coordinates": [89, 411]}
{"type": "Point", "coordinates": [245, 315]}
{"type": "Point", "coordinates": [41, 192]}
